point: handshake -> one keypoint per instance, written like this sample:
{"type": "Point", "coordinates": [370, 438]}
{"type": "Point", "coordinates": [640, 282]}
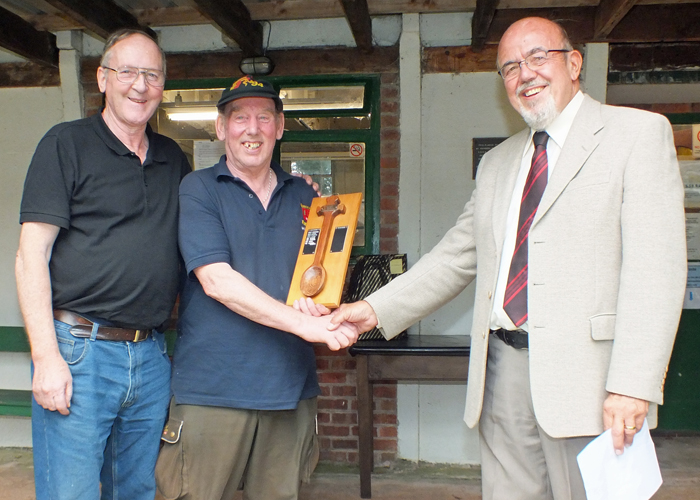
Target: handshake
{"type": "Point", "coordinates": [339, 328]}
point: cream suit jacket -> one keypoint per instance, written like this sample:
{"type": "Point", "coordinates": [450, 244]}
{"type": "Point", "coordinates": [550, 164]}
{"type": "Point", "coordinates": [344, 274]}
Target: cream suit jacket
{"type": "Point", "coordinates": [607, 268]}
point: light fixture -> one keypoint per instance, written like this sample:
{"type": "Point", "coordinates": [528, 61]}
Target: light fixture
{"type": "Point", "coordinates": [195, 114]}
{"type": "Point", "coordinates": [260, 65]}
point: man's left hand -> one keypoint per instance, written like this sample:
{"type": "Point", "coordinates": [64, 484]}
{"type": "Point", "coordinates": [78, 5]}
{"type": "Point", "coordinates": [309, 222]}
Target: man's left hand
{"type": "Point", "coordinates": [309, 181]}
{"type": "Point", "coordinates": [625, 416]}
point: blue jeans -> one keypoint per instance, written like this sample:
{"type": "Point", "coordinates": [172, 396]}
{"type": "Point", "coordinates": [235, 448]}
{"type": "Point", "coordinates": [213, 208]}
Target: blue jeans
{"type": "Point", "coordinates": [112, 434]}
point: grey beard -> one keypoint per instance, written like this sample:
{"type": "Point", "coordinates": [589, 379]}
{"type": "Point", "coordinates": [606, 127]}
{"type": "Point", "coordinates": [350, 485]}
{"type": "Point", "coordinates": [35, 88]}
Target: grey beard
{"type": "Point", "coordinates": [540, 119]}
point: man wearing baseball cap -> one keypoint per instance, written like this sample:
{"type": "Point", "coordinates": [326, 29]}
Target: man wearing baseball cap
{"type": "Point", "coordinates": [244, 373]}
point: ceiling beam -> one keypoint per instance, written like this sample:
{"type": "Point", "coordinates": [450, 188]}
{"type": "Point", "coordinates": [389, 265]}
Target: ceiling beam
{"type": "Point", "coordinates": [233, 19]}
{"type": "Point", "coordinates": [357, 14]}
{"type": "Point", "coordinates": [20, 37]}
{"type": "Point", "coordinates": [101, 18]}
{"type": "Point", "coordinates": [481, 22]}
{"type": "Point", "coordinates": [608, 14]}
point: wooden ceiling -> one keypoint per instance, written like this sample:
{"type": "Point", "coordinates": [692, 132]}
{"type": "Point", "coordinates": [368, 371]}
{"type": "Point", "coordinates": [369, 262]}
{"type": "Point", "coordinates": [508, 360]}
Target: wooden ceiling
{"type": "Point", "coordinates": [27, 26]}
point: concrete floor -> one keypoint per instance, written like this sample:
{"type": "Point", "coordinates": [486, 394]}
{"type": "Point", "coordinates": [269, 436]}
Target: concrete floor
{"type": "Point", "coordinates": [679, 458]}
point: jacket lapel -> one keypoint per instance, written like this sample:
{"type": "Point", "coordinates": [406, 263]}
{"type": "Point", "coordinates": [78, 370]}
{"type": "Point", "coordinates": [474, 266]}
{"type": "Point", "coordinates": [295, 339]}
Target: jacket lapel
{"type": "Point", "coordinates": [580, 143]}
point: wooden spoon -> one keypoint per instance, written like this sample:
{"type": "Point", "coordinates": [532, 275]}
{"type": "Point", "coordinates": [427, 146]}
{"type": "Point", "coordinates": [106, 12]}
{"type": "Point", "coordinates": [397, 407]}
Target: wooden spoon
{"type": "Point", "coordinates": [314, 278]}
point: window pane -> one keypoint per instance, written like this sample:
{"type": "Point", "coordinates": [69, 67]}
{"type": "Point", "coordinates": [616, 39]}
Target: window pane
{"type": "Point", "coordinates": [314, 98]}
{"type": "Point", "coordinates": [337, 167]}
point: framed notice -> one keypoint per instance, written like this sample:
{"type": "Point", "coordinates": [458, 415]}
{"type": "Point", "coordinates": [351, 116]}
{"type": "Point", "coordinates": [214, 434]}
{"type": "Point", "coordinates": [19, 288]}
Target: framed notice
{"type": "Point", "coordinates": [481, 146]}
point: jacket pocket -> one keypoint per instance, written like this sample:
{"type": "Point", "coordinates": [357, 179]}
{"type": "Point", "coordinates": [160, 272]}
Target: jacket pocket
{"type": "Point", "coordinates": [171, 463]}
{"type": "Point", "coordinates": [603, 326]}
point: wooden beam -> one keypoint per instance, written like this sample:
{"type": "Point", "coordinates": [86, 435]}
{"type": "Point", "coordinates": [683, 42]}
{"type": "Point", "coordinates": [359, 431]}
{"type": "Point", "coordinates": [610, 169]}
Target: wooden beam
{"type": "Point", "coordinates": [481, 22]}
{"type": "Point", "coordinates": [233, 19]}
{"type": "Point", "coordinates": [608, 14]}
{"type": "Point", "coordinates": [357, 14]}
{"type": "Point", "coordinates": [650, 56]}
{"type": "Point", "coordinates": [659, 23]}
{"type": "Point", "coordinates": [28, 75]}
{"type": "Point", "coordinates": [20, 37]}
{"type": "Point", "coordinates": [101, 18]}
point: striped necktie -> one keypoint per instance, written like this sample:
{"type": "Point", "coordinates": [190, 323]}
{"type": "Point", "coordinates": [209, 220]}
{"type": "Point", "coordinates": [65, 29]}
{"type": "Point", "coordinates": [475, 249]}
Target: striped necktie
{"type": "Point", "coordinates": [515, 299]}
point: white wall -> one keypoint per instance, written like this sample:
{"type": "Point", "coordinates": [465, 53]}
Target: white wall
{"type": "Point", "coordinates": [25, 117]}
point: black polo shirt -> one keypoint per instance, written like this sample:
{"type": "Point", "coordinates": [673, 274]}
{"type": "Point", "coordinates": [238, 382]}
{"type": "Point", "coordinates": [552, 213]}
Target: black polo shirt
{"type": "Point", "coordinates": [115, 257]}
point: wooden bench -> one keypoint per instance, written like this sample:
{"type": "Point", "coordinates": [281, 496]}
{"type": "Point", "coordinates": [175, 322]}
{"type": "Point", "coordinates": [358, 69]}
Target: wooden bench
{"type": "Point", "coordinates": [17, 402]}
{"type": "Point", "coordinates": [415, 358]}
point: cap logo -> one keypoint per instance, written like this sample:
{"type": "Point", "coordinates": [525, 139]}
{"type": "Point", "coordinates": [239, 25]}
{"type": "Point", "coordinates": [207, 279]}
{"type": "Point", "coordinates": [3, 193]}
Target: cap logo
{"type": "Point", "coordinates": [246, 80]}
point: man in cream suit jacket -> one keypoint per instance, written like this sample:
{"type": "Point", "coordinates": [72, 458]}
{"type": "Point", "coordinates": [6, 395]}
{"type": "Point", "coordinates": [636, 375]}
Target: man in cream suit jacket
{"type": "Point", "coordinates": [605, 275]}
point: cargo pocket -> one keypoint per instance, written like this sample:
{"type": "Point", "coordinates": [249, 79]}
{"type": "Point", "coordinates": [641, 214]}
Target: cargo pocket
{"type": "Point", "coordinates": [170, 464]}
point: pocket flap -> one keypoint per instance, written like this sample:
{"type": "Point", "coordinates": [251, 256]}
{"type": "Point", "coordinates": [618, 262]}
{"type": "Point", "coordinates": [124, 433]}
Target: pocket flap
{"type": "Point", "coordinates": [603, 326]}
{"type": "Point", "coordinates": [172, 431]}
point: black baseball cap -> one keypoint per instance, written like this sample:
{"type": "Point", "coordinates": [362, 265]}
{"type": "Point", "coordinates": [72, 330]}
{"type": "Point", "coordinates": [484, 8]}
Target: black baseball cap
{"type": "Point", "coordinates": [247, 86]}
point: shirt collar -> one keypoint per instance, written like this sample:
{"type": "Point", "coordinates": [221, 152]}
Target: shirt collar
{"type": "Point", "coordinates": [559, 128]}
{"type": "Point", "coordinates": [221, 170]}
{"type": "Point", "coordinates": [113, 142]}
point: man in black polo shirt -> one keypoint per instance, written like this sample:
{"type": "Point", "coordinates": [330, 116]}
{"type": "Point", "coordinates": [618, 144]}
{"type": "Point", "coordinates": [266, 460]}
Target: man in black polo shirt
{"type": "Point", "coordinates": [97, 276]}
{"type": "Point", "coordinates": [244, 403]}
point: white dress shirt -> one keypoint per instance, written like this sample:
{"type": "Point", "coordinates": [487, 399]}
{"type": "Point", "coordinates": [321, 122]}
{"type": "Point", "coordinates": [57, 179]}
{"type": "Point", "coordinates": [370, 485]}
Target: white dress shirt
{"type": "Point", "coordinates": [557, 131]}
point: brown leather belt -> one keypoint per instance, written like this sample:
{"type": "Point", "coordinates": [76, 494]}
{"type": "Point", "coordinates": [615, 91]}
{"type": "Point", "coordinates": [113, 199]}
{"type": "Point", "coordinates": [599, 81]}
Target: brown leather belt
{"type": "Point", "coordinates": [81, 327]}
{"type": "Point", "coordinates": [514, 338]}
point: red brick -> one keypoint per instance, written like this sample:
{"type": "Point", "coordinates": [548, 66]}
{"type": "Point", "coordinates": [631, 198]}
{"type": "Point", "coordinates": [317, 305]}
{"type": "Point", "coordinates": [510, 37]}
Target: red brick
{"type": "Point", "coordinates": [385, 418]}
{"type": "Point", "coordinates": [389, 106]}
{"type": "Point", "coordinates": [333, 430]}
{"type": "Point", "coordinates": [387, 431]}
{"type": "Point", "coordinates": [385, 405]}
{"type": "Point", "coordinates": [389, 120]}
{"type": "Point", "coordinates": [343, 363]}
{"type": "Point", "coordinates": [695, 108]}
{"type": "Point", "coordinates": [344, 444]}
{"type": "Point", "coordinates": [390, 134]}
{"type": "Point", "coordinates": [332, 377]}
{"type": "Point", "coordinates": [322, 364]}
{"type": "Point", "coordinates": [324, 417]}
{"type": "Point", "coordinates": [389, 189]}
{"type": "Point", "coordinates": [389, 78]}
{"type": "Point", "coordinates": [324, 443]}
{"type": "Point", "coordinates": [346, 418]}
{"type": "Point", "coordinates": [389, 217]}
{"type": "Point", "coordinates": [389, 92]}
{"type": "Point", "coordinates": [325, 390]}
{"type": "Point", "coordinates": [344, 390]}
{"type": "Point", "coordinates": [384, 391]}
{"type": "Point", "coordinates": [389, 148]}
{"type": "Point", "coordinates": [332, 404]}
{"type": "Point", "coordinates": [388, 163]}
{"type": "Point", "coordinates": [389, 203]}
{"type": "Point", "coordinates": [354, 457]}
{"type": "Point", "coordinates": [385, 444]}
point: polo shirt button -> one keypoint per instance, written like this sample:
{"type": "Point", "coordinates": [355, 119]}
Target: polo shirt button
{"type": "Point", "coordinates": [260, 212]}
{"type": "Point", "coordinates": [250, 195]}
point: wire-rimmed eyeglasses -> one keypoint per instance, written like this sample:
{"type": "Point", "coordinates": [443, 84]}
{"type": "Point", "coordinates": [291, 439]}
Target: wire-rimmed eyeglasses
{"type": "Point", "coordinates": [512, 69]}
{"type": "Point", "coordinates": [127, 74]}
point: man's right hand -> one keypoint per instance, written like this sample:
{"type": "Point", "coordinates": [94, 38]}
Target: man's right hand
{"type": "Point", "coordinates": [359, 313]}
{"type": "Point", "coordinates": [52, 384]}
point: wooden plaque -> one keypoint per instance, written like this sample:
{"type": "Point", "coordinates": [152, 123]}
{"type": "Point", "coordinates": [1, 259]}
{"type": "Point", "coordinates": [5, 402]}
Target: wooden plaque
{"type": "Point", "coordinates": [327, 243]}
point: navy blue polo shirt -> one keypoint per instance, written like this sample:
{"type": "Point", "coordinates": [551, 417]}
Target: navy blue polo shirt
{"type": "Point", "coordinates": [222, 358]}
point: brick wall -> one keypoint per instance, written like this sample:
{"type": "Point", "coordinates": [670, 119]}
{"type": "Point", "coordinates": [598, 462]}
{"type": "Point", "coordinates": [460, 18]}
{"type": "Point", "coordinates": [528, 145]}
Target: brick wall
{"type": "Point", "coordinates": [337, 405]}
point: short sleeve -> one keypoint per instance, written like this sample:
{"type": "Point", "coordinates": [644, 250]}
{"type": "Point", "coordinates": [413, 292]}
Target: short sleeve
{"type": "Point", "coordinates": [47, 192]}
{"type": "Point", "coordinates": [202, 236]}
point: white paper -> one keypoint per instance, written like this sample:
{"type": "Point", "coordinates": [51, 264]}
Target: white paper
{"type": "Point", "coordinates": [207, 153]}
{"type": "Point", "coordinates": [634, 475]}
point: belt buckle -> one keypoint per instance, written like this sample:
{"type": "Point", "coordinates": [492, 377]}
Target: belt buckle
{"type": "Point", "coordinates": [137, 337]}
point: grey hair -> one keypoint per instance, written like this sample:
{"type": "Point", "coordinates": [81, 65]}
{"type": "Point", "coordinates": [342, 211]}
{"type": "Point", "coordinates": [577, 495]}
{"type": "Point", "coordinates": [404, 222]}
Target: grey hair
{"type": "Point", "coordinates": [123, 34]}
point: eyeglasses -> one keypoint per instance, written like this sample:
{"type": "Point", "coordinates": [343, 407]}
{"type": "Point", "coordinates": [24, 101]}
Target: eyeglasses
{"type": "Point", "coordinates": [535, 60]}
{"type": "Point", "coordinates": [126, 74]}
